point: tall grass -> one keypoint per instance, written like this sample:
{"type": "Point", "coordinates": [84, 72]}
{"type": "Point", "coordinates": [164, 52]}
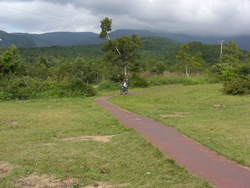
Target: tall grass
{"type": "Point", "coordinates": [172, 78]}
{"type": "Point", "coordinates": [143, 81]}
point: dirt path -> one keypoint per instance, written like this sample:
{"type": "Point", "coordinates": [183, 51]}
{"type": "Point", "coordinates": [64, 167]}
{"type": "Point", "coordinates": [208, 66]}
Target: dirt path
{"type": "Point", "coordinates": [197, 159]}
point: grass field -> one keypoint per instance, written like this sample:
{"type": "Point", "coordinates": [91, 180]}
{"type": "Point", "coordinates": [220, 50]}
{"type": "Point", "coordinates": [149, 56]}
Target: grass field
{"type": "Point", "coordinates": [74, 143]}
{"type": "Point", "coordinates": [219, 122]}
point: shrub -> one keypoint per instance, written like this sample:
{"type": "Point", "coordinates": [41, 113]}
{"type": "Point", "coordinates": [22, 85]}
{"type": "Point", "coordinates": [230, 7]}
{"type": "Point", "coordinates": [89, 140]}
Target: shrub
{"type": "Point", "coordinates": [237, 86]}
{"type": "Point", "coordinates": [138, 81]}
{"type": "Point", "coordinates": [27, 88]}
{"type": "Point", "coordinates": [108, 85]}
{"type": "Point", "coordinates": [5, 96]}
{"type": "Point", "coordinates": [15, 88]}
{"type": "Point", "coordinates": [244, 69]}
{"type": "Point", "coordinates": [72, 87]}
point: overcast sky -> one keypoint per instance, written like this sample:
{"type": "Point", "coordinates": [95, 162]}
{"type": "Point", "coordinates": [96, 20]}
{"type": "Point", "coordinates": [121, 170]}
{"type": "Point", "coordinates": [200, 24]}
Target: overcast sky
{"type": "Point", "coordinates": [194, 17]}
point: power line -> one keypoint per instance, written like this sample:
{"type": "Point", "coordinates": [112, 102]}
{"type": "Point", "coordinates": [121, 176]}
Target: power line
{"type": "Point", "coordinates": [3, 43]}
{"type": "Point", "coordinates": [41, 15]}
{"type": "Point", "coordinates": [101, 15]}
{"type": "Point", "coordinates": [128, 22]}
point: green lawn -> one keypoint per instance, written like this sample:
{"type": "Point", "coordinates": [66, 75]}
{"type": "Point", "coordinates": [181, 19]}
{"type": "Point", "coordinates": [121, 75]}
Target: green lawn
{"type": "Point", "coordinates": [219, 122]}
{"type": "Point", "coordinates": [34, 150]}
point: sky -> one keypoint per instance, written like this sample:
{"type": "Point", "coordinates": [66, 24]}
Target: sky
{"type": "Point", "coordinates": [191, 17]}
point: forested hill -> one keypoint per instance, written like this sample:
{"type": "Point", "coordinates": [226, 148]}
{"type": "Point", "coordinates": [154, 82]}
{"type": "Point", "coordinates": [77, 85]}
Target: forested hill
{"type": "Point", "coordinates": [157, 48]}
{"type": "Point", "coordinates": [152, 46]}
{"type": "Point", "coordinates": [63, 38]}
{"type": "Point", "coordinates": [86, 38]}
{"type": "Point", "coordinates": [19, 41]}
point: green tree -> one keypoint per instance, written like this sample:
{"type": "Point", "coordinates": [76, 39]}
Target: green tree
{"type": "Point", "coordinates": [184, 58]}
{"type": "Point", "coordinates": [247, 58]}
{"type": "Point", "coordinates": [123, 50]}
{"type": "Point", "coordinates": [10, 60]}
{"type": "Point", "coordinates": [106, 26]}
{"type": "Point", "coordinates": [190, 63]}
{"type": "Point", "coordinates": [157, 67]}
{"type": "Point", "coordinates": [79, 69]}
{"type": "Point", "coordinates": [197, 62]}
{"type": "Point", "coordinates": [128, 48]}
{"type": "Point", "coordinates": [231, 54]}
{"type": "Point", "coordinates": [40, 69]}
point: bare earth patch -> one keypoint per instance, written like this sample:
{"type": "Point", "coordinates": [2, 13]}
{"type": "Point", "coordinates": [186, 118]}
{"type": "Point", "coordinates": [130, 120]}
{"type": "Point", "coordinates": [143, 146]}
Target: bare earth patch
{"type": "Point", "coordinates": [104, 185]}
{"type": "Point", "coordinates": [5, 169]}
{"type": "Point", "coordinates": [218, 106]}
{"type": "Point", "coordinates": [84, 138]}
{"type": "Point", "coordinates": [177, 114]}
{"type": "Point", "coordinates": [48, 144]}
{"type": "Point", "coordinates": [12, 122]}
{"type": "Point", "coordinates": [43, 181]}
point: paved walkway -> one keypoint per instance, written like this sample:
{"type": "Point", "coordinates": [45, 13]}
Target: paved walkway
{"type": "Point", "coordinates": [197, 159]}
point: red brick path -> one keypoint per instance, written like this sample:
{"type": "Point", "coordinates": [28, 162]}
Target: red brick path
{"type": "Point", "coordinates": [197, 159]}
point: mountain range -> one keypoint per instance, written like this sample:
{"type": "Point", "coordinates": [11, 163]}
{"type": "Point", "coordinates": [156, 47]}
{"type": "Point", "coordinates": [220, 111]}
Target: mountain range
{"type": "Point", "coordinates": [84, 38]}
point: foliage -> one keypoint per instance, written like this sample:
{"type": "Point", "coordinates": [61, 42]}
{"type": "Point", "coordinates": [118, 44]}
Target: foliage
{"type": "Point", "coordinates": [237, 86]}
{"type": "Point", "coordinates": [210, 53]}
{"type": "Point", "coordinates": [106, 26]}
{"type": "Point", "coordinates": [232, 54]}
{"type": "Point", "coordinates": [189, 63]}
{"type": "Point", "coordinates": [197, 63]}
{"type": "Point", "coordinates": [138, 81]}
{"type": "Point", "coordinates": [40, 70]}
{"type": "Point", "coordinates": [224, 72]}
{"type": "Point", "coordinates": [108, 85]}
{"type": "Point", "coordinates": [157, 67]}
{"type": "Point", "coordinates": [38, 81]}
{"type": "Point", "coordinates": [26, 88]}
{"type": "Point", "coordinates": [78, 68]}
{"type": "Point", "coordinates": [158, 44]}
{"type": "Point", "coordinates": [233, 71]}
{"type": "Point", "coordinates": [58, 68]}
{"type": "Point", "coordinates": [128, 51]}
{"type": "Point", "coordinates": [170, 78]}
{"type": "Point", "coordinates": [10, 61]}
{"type": "Point", "coordinates": [55, 55]}
{"type": "Point", "coordinates": [122, 51]}
{"type": "Point", "coordinates": [183, 58]}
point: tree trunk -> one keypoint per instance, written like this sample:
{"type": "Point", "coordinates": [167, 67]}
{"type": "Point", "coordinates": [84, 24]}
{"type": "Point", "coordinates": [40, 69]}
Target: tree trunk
{"type": "Point", "coordinates": [125, 71]}
{"type": "Point", "coordinates": [187, 71]}
{"type": "Point", "coordinates": [113, 44]}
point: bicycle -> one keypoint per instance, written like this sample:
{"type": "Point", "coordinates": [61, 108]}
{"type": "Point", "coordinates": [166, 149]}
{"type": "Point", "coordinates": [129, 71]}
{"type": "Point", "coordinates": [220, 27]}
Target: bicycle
{"type": "Point", "coordinates": [124, 90]}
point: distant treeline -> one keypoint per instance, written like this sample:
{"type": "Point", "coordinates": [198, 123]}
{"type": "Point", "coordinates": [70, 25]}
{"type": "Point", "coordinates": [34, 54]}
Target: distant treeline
{"type": "Point", "coordinates": [59, 71]}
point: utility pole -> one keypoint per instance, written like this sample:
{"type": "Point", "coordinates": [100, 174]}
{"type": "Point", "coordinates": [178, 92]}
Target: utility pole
{"type": "Point", "coordinates": [3, 43]}
{"type": "Point", "coordinates": [221, 47]}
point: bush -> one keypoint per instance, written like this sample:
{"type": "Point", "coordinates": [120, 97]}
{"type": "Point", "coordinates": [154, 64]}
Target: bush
{"type": "Point", "coordinates": [244, 69]}
{"type": "Point", "coordinates": [72, 87]}
{"type": "Point", "coordinates": [15, 88]}
{"type": "Point", "coordinates": [27, 88]}
{"type": "Point", "coordinates": [108, 85]}
{"type": "Point", "coordinates": [5, 96]}
{"type": "Point", "coordinates": [138, 81]}
{"type": "Point", "coordinates": [237, 86]}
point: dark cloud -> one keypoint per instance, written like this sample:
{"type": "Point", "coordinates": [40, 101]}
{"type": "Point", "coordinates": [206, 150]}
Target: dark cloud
{"type": "Point", "coordinates": [202, 17]}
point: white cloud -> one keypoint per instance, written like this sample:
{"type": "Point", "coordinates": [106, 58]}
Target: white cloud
{"type": "Point", "coordinates": [203, 17]}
